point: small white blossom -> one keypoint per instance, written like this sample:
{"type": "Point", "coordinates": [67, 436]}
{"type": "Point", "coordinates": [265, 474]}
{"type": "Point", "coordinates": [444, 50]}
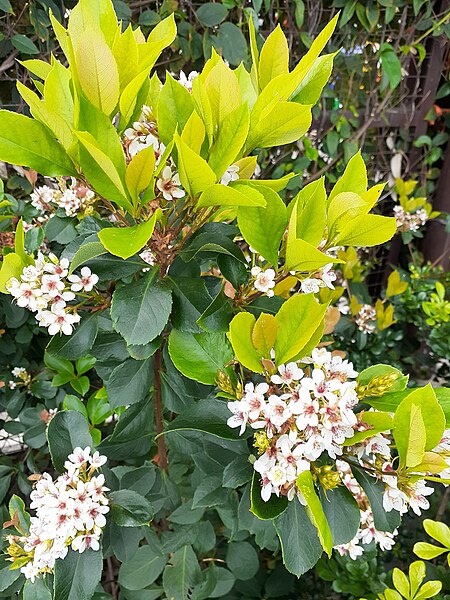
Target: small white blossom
{"type": "Point", "coordinates": [169, 184]}
{"type": "Point", "coordinates": [231, 174]}
{"type": "Point", "coordinates": [86, 282]}
{"type": "Point", "coordinates": [264, 280]}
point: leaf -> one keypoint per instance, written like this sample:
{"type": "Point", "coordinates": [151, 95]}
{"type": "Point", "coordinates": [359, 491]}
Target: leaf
{"type": "Point", "coordinates": [66, 431]}
{"type": "Point", "coordinates": [286, 123]}
{"type": "Point", "coordinates": [79, 343]}
{"type": "Point", "coordinates": [428, 551]}
{"type": "Point", "coordinates": [263, 228]}
{"type": "Point", "coordinates": [36, 590]}
{"type": "Point", "coordinates": [24, 44]}
{"type": "Point", "coordinates": [12, 266]}
{"type": "Point", "coordinates": [265, 510]}
{"type": "Point", "coordinates": [26, 142]}
{"type": "Point", "coordinates": [77, 576]}
{"type": "Point", "coordinates": [230, 138]}
{"type": "Point", "coordinates": [210, 14]}
{"type": "Point", "coordinates": [419, 423]}
{"type": "Point", "coordinates": [130, 382]}
{"type": "Point", "coordinates": [208, 416]}
{"type": "Point", "coordinates": [130, 509]}
{"type": "Point", "coordinates": [240, 335]}
{"type": "Point", "coordinates": [298, 319]}
{"type": "Point", "coordinates": [97, 71]}
{"type": "Point", "coordinates": [300, 255]}
{"type": "Point", "coordinates": [274, 57]}
{"type": "Point", "coordinates": [384, 521]}
{"type": "Point", "coordinates": [315, 511]}
{"type": "Point", "coordinates": [232, 42]}
{"type": "Point", "coordinates": [242, 560]}
{"type": "Point", "coordinates": [145, 566]}
{"type": "Point", "coordinates": [438, 531]}
{"type": "Point", "coordinates": [311, 214]}
{"type": "Point", "coordinates": [395, 285]}
{"type": "Point", "coordinates": [195, 173]}
{"type": "Point", "coordinates": [310, 89]}
{"type": "Point", "coordinates": [86, 252]}
{"type": "Point", "coordinates": [264, 334]}
{"type": "Point", "coordinates": [175, 106]}
{"type": "Point", "coordinates": [378, 421]}
{"type": "Point", "coordinates": [367, 230]}
{"type": "Point", "coordinates": [298, 538]}
{"type": "Point", "coordinates": [391, 65]}
{"type": "Point", "coordinates": [139, 312]}
{"type": "Point", "coordinates": [139, 172]}
{"type": "Point", "coordinates": [128, 241]}
{"type": "Point", "coordinates": [199, 356]}
{"type": "Point", "coordinates": [228, 195]}
{"type": "Point", "coordinates": [101, 171]}
{"type": "Point", "coordinates": [342, 513]}
{"type": "Point", "coordinates": [182, 574]}
{"type": "Point", "coordinates": [354, 178]}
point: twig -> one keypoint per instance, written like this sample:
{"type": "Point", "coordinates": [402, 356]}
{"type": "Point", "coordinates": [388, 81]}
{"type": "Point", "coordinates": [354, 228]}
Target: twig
{"type": "Point", "coordinates": [158, 408]}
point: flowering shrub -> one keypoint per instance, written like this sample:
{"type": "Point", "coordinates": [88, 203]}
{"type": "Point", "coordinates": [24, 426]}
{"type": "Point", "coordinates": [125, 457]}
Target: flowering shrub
{"type": "Point", "coordinates": [196, 323]}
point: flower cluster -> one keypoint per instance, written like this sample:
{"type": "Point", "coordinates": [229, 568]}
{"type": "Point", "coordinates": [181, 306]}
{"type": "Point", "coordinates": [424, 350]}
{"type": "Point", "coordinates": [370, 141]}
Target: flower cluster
{"type": "Point", "coordinates": [143, 134]}
{"type": "Point", "coordinates": [410, 221]}
{"type": "Point", "coordinates": [443, 448]}
{"type": "Point", "coordinates": [186, 80]}
{"type": "Point", "coordinates": [367, 532]}
{"type": "Point", "coordinates": [303, 413]}
{"type": "Point", "coordinates": [45, 288]}
{"type": "Point", "coordinates": [73, 199]}
{"type": "Point", "coordinates": [365, 318]}
{"type": "Point", "coordinates": [70, 512]}
{"type": "Point", "coordinates": [324, 278]}
{"type": "Point", "coordinates": [20, 373]}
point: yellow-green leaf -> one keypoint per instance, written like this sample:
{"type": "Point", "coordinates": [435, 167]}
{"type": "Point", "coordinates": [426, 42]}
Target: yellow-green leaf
{"type": "Point", "coordinates": [264, 334]}
{"type": "Point", "coordinates": [240, 336]}
{"type": "Point", "coordinates": [315, 511]}
{"type": "Point", "coordinates": [231, 195]}
{"type": "Point", "coordinates": [298, 319]}
{"type": "Point", "coordinates": [286, 123]}
{"type": "Point", "coordinates": [97, 71]}
{"type": "Point", "coordinates": [127, 241]}
{"type": "Point", "coordinates": [274, 57]}
{"type": "Point", "coordinates": [354, 178]}
{"type": "Point", "coordinates": [11, 266]}
{"type": "Point", "coordinates": [195, 173]}
{"type": "Point", "coordinates": [139, 172]}
{"type": "Point", "coordinates": [395, 285]}
{"type": "Point", "coordinates": [193, 133]}
{"type": "Point", "coordinates": [311, 214]}
{"type": "Point", "coordinates": [367, 230]}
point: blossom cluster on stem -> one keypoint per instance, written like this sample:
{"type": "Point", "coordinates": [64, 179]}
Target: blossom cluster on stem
{"type": "Point", "coordinates": [46, 288]}
{"type": "Point", "coordinates": [69, 513]}
{"type": "Point", "coordinates": [74, 198]}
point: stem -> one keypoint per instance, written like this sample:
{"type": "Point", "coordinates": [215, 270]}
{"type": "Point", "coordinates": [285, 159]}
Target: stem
{"type": "Point", "coordinates": [158, 407]}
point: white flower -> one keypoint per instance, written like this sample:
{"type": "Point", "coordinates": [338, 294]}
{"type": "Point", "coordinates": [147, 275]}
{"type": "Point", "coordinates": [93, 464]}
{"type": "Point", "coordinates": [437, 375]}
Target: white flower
{"type": "Point", "coordinates": [264, 280]}
{"type": "Point", "coordinates": [148, 257]}
{"type": "Point", "coordinates": [417, 499]}
{"type": "Point", "coordinates": [28, 296]}
{"type": "Point", "coordinates": [57, 320]}
{"type": "Point", "coordinates": [377, 444]}
{"type": "Point", "coordinates": [97, 460]}
{"type": "Point", "coordinates": [186, 81]}
{"type": "Point", "coordinates": [277, 476]}
{"type": "Point", "coordinates": [42, 197]}
{"type": "Point", "coordinates": [169, 184]}
{"type": "Point", "coordinates": [84, 541]}
{"type": "Point", "coordinates": [310, 286]}
{"type": "Point", "coordinates": [18, 371]}
{"type": "Point", "coordinates": [59, 268]}
{"type": "Point", "coordinates": [394, 499]}
{"type": "Point", "coordinates": [277, 410]}
{"type": "Point", "coordinates": [254, 399]}
{"type": "Point", "coordinates": [287, 374]}
{"type": "Point", "coordinates": [328, 276]}
{"type": "Point", "coordinates": [352, 549]}
{"type": "Point", "coordinates": [52, 285]}
{"type": "Point", "coordinates": [79, 456]}
{"type": "Point", "coordinates": [343, 305]}
{"type": "Point", "coordinates": [321, 387]}
{"type": "Point", "coordinates": [86, 282]}
{"type": "Point", "coordinates": [240, 415]}
{"type": "Point", "coordinates": [231, 174]}
{"type": "Point", "coordinates": [306, 410]}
